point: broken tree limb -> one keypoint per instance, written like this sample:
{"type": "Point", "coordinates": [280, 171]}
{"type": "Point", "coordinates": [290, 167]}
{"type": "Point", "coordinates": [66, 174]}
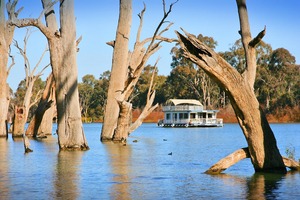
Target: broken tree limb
{"type": "Point", "coordinates": [290, 163]}
{"type": "Point", "coordinates": [241, 154]}
{"type": "Point", "coordinates": [258, 38]}
{"type": "Point", "coordinates": [228, 161]}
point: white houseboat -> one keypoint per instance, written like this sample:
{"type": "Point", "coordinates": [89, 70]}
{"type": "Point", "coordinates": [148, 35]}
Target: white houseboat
{"type": "Point", "coordinates": [188, 113]}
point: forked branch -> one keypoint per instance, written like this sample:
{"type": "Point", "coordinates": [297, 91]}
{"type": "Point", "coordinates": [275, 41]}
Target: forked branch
{"type": "Point", "coordinates": [36, 22]}
{"type": "Point", "coordinates": [140, 55]}
{"type": "Point", "coordinates": [149, 102]}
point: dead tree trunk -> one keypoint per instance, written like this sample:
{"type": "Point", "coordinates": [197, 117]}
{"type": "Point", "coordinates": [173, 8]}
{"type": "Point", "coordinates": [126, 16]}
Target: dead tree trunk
{"type": "Point", "coordinates": [19, 121]}
{"type": "Point", "coordinates": [262, 144]}
{"type": "Point", "coordinates": [6, 36]}
{"type": "Point", "coordinates": [63, 48]}
{"type": "Point", "coordinates": [26, 144]}
{"type": "Point", "coordinates": [119, 71]}
{"type": "Point", "coordinates": [30, 78]}
{"type": "Point", "coordinates": [128, 71]}
{"type": "Point", "coordinates": [44, 112]}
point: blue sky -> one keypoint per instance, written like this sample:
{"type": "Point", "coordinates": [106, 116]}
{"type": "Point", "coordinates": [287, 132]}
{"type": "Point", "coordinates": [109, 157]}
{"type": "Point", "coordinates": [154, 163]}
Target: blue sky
{"type": "Point", "coordinates": [97, 21]}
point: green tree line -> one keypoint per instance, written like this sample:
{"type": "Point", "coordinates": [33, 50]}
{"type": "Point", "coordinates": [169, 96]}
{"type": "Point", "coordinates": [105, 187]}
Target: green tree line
{"type": "Point", "coordinates": [277, 84]}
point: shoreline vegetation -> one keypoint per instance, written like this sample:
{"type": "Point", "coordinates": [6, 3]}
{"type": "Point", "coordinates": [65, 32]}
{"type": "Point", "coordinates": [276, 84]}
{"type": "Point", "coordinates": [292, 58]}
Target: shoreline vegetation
{"type": "Point", "coordinates": [286, 115]}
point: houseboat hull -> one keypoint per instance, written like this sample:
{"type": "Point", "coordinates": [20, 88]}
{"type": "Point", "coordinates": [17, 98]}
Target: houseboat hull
{"type": "Point", "coordinates": [189, 125]}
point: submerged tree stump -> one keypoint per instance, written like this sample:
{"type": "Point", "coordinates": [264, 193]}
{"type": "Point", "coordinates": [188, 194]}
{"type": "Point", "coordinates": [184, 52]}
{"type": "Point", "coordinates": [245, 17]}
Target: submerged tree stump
{"type": "Point", "coordinates": [26, 144]}
{"type": "Point", "coordinates": [19, 121]}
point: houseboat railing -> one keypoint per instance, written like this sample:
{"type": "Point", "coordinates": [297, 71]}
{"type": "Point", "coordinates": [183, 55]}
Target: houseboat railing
{"type": "Point", "coordinates": [194, 121]}
{"type": "Point", "coordinates": [182, 108]}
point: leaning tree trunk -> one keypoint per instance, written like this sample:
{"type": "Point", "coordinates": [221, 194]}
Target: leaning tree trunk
{"type": "Point", "coordinates": [119, 71]}
{"type": "Point", "coordinates": [262, 145]}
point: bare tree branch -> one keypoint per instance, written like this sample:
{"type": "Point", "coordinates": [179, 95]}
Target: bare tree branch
{"type": "Point", "coordinates": [39, 62]}
{"type": "Point", "coordinates": [111, 43]}
{"type": "Point", "coordinates": [140, 55]}
{"type": "Point", "coordinates": [149, 101]}
{"type": "Point", "coordinates": [141, 16]}
{"type": "Point", "coordinates": [12, 62]}
{"type": "Point", "coordinates": [258, 38]}
{"type": "Point", "coordinates": [13, 20]}
{"type": "Point", "coordinates": [46, 9]}
{"type": "Point", "coordinates": [36, 99]}
{"type": "Point", "coordinates": [77, 42]}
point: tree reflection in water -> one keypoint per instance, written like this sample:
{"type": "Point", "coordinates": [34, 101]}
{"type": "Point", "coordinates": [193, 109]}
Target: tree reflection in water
{"type": "Point", "coordinates": [264, 185]}
{"type": "Point", "coordinates": [67, 177]}
{"type": "Point", "coordinates": [120, 167]}
{"type": "Point", "coordinates": [257, 187]}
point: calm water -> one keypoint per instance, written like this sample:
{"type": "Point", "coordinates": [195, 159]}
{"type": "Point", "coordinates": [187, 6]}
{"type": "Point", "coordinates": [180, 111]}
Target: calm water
{"type": "Point", "coordinates": [144, 169]}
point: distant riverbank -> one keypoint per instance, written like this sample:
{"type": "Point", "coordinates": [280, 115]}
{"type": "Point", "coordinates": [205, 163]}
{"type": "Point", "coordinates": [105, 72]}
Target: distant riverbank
{"type": "Point", "coordinates": [228, 115]}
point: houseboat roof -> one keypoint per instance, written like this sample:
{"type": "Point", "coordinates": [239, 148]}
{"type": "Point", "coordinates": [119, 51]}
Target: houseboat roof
{"type": "Point", "coordinates": [176, 102]}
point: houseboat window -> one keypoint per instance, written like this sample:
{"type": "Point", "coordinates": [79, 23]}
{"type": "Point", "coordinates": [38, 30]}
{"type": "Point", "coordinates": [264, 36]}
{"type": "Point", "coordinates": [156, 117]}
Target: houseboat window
{"type": "Point", "coordinates": [174, 115]}
{"type": "Point", "coordinates": [180, 115]}
{"type": "Point", "coordinates": [183, 115]}
{"type": "Point", "coordinates": [209, 115]}
{"type": "Point", "coordinates": [193, 115]}
{"type": "Point", "coordinates": [168, 116]}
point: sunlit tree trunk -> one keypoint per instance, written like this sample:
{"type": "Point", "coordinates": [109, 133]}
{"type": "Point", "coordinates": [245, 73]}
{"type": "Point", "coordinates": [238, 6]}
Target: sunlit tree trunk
{"type": "Point", "coordinates": [262, 144]}
{"type": "Point", "coordinates": [6, 36]}
{"type": "Point", "coordinates": [63, 48]}
{"type": "Point", "coordinates": [63, 51]}
{"type": "Point", "coordinates": [119, 71]}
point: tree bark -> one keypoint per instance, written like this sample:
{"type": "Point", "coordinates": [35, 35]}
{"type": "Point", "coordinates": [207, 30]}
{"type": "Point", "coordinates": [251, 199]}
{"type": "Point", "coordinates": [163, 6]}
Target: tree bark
{"type": "Point", "coordinates": [262, 144]}
{"type": "Point", "coordinates": [121, 132]}
{"type": "Point", "coordinates": [63, 60]}
{"type": "Point", "coordinates": [6, 36]}
{"type": "Point", "coordinates": [46, 104]}
{"type": "Point", "coordinates": [19, 121]}
{"type": "Point", "coordinates": [119, 71]}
